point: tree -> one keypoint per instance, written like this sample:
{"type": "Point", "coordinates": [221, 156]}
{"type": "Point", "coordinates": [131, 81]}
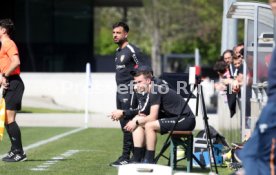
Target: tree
{"type": "Point", "coordinates": [182, 26]}
{"type": "Point", "coordinates": [162, 27]}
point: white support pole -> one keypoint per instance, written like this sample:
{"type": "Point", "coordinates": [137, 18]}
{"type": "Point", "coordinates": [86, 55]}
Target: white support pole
{"type": "Point", "coordinates": [229, 28]}
{"type": "Point", "coordinates": [197, 57]}
{"type": "Point", "coordinates": [87, 89]}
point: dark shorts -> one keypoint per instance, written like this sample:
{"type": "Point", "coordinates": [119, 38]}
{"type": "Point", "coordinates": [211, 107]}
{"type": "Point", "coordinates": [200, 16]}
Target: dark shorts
{"type": "Point", "coordinates": [184, 124]}
{"type": "Point", "coordinates": [14, 93]}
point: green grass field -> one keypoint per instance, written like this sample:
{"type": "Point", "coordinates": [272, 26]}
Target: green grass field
{"type": "Point", "coordinates": [87, 152]}
{"type": "Point", "coordinates": [26, 109]}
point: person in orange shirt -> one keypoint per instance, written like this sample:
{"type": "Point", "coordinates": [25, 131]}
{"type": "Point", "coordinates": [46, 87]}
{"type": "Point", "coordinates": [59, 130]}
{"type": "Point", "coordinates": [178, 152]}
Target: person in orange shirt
{"type": "Point", "coordinates": [13, 89]}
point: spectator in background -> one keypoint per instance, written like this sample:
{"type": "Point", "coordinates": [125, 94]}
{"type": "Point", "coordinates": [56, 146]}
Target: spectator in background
{"type": "Point", "coordinates": [221, 68]}
{"type": "Point", "coordinates": [238, 67]}
{"type": "Point", "coordinates": [238, 49]}
{"type": "Point", "coordinates": [228, 87]}
{"type": "Point", "coordinates": [228, 58]}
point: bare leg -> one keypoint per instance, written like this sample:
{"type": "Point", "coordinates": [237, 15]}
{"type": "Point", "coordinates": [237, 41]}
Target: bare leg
{"type": "Point", "coordinates": [10, 116]}
{"type": "Point", "coordinates": [139, 137]}
{"type": "Point", "coordinates": [151, 129]}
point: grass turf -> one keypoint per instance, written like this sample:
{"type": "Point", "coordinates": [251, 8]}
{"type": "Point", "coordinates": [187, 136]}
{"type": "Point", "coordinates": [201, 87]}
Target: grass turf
{"type": "Point", "coordinates": [97, 148]}
{"type": "Point", "coordinates": [26, 109]}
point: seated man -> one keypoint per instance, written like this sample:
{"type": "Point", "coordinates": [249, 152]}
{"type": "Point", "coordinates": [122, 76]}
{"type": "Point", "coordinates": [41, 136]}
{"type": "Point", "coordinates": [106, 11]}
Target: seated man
{"type": "Point", "coordinates": [139, 104]}
{"type": "Point", "coordinates": [165, 107]}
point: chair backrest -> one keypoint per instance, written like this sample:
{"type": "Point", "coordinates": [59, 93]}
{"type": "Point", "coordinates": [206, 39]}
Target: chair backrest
{"type": "Point", "coordinates": [182, 78]}
{"type": "Point", "coordinates": [144, 169]}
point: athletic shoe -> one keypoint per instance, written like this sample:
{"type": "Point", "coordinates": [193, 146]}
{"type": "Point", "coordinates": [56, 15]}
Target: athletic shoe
{"type": "Point", "coordinates": [17, 157]}
{"type": "Point", "coordinates": [8, 156]}
{"type": "Point", "coordinates": [121, 161]}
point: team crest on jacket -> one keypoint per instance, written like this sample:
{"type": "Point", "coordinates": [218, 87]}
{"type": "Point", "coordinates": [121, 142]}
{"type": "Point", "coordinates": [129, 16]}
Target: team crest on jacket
{"type": "Point", "coordinates": [122, 58]}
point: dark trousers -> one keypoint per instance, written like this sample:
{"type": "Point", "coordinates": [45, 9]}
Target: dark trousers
{"type": "Point", "coordinates": [123, 102]}
{"type": "Point", "coordinates": [259, 153]}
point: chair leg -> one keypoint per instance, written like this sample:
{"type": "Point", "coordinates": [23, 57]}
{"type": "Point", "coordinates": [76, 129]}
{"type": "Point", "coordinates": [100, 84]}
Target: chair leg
{"type": "Point", "coordinates": [187, 144]}
{"type": "Point", "coordinates": [172, 163]}
{"type": "Point", "coordinates": [189, 153]}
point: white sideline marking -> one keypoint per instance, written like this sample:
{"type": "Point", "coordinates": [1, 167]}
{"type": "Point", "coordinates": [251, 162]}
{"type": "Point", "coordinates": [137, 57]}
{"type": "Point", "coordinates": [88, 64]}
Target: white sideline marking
{"type": "Point", "coordinates": [54, 160]}
{"type": "Point", "coordinates": [43, 142]}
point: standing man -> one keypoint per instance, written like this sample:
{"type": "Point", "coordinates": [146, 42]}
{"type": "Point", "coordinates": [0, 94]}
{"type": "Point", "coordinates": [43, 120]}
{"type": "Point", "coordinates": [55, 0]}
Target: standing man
{"type": "Point", "coordinates": [13, 89]}
{"type": "Point", "coordinates": [165, 108]}
{"type": "Point", "coordinates": [259, 152]}
{"type": "Point", "coordinates": [128, 57]}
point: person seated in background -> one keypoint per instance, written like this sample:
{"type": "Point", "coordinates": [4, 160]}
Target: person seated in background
{"type": "Point", "coordinates": [165, 108]}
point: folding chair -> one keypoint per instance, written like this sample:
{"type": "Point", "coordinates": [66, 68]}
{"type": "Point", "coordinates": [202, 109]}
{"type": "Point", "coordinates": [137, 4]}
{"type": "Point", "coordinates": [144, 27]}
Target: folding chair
{"type": "Point", "coordinates": [183, 139]}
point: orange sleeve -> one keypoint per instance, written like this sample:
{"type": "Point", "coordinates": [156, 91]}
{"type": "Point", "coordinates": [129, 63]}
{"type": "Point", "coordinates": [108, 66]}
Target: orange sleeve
{"type": "Point", "coordinates": [11, 49]}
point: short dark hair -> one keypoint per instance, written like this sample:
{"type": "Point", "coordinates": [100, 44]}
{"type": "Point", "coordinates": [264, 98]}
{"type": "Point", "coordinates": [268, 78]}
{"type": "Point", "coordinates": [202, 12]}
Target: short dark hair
{"type": "Point", "coordinates": [121, 24]}
{"type": "Point", "coordinates": [235, 57]}
{"type": "Point", "coordinates": [220, 66]}
{"type": "Point", "coordinates": [228, 51]}
{"type": "Point", "coordinates": [8, 25]}
{"type": "Point", "coordinates": [141, 68]}
{"type": "Point", "coordinates": [147, 74]}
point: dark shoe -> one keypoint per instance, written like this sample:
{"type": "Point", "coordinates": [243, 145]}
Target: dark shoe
{"type": "Point", "coordinates": [18, 156]}
{"type": "Point", "coordinates": [8, 156]}
{"type": "Point", "coordinates": [121, 161]}
{"type": "Point", "coordinates": [133, 161]}
{"type": "Point", "coordinates": [146, 161]}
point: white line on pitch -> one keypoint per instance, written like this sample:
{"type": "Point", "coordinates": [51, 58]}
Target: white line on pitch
{"type": "Point", "coordinates": [43, 142]}
{"type": "Point", "coordinates": [54, 160]}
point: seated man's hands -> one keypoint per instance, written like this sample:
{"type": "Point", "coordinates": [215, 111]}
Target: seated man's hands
{"type": "Point", "coordinates": [131, 126]}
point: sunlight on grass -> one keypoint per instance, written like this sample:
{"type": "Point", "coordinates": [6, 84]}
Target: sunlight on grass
{"type": "Point", "coordinates": [95, 149]}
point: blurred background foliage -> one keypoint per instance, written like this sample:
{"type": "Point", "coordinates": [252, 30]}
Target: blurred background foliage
{"type": "Point", "coordinates": [181, 26]}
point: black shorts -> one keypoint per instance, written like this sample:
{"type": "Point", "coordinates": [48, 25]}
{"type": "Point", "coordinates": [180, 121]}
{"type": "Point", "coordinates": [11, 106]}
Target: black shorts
{"type": "Point", "coordinates": [14, 93]}
{"type": "Point", "coordinates": [184, 124]}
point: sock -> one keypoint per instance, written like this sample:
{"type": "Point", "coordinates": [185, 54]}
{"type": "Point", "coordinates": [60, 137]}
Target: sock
{"type": "Point", "coordinates": [149, 156]}
{"type": "Point", "coordinates": [143, 153]}
{"type": "Point", "coordinates": [138, 154]}
{"type": "Point", "coordinates": [8, 131]}
{"type": "Point", "coordinates": [127, 144]}
{"type": "Point", "coordinates": [15, 136]}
